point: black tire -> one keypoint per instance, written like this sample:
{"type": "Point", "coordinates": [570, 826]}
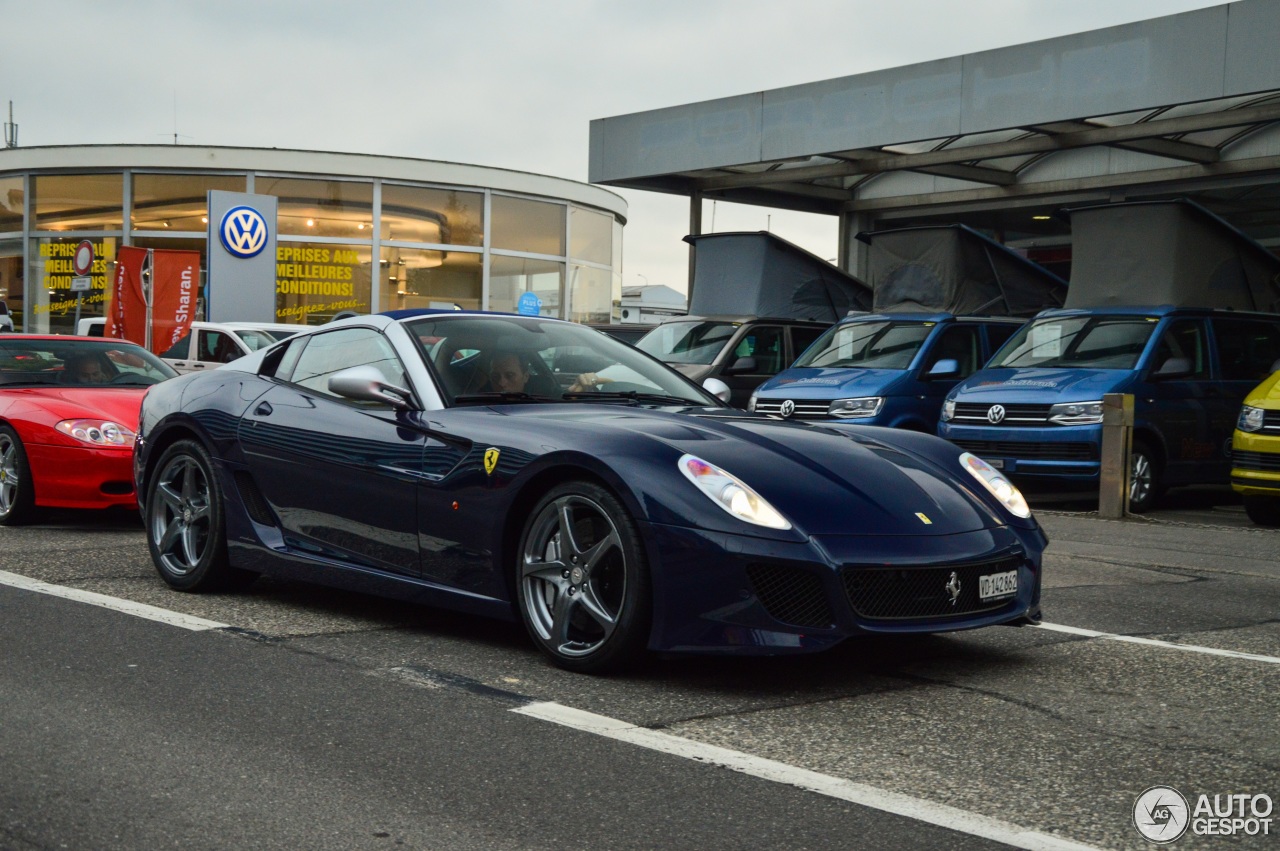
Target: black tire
{"type": "Point", "coordinates": [589, 609]}
{"type": "Point", "coordinates": [1145, 474]}
{"type": "Point", "coordinates": [186, 530]}
{"type": "Point", "coordinates": [17, 488]}
{"type": "Point", "coordinates": [1263, 510]}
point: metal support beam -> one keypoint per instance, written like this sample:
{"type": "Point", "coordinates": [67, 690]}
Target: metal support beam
{"type": "Point", "coordinates": [974, 173]}
{"type": "Point", "coordinates": [1171, 148]}
{"type": "Point", "coordinates": [695, 228]}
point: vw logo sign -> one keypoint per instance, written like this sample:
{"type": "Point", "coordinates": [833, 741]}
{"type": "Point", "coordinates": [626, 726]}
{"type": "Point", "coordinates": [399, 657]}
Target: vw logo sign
{"type": "Point", "coordinates": [243, 232]}
{"type": "Point", "coordinates": [995, 414]}
{"type": "Point", "coordinates": [788, 408]}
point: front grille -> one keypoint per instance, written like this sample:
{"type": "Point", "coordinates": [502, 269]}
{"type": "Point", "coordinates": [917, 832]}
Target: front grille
{"type": "Point", "coordinates": [790, 595]}
{"type": "Point", "coordinates": [901, 593]}
{"type": "Point", "coordinates": [1255, 460]}
{"type": "Point", "coordinates": [1271, 420]}
{"type": "Point", "coordinates": [805, 408]}
{"type": "Point", "coordinates": [971, 413]}
{"type": "Point", "coordinates": [1030, 451]}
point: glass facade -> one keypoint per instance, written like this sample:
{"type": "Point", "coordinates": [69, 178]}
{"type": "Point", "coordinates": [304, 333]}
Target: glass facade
{"type": "Point", "coordinates": [343, 245]}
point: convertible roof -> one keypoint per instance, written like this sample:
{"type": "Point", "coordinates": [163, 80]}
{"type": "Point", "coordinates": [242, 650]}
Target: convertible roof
{"type": "Point", "coordinates": [1167, 252]}
{"type": "Point", "coordinates": [759, 274]}
{"type": "Point", "coordinates": [955, 269]}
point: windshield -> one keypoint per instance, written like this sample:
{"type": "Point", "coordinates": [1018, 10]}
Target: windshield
{"type": "Point", "coordinates": [255, 340]}
{"type": "Point", "coordinates": [876, 345]}
{"type": "Point", "coordinates": [79, 361]}
{"type": "Point", "coordinates": [1097, 342]}
{"type": "Point", "coordinates": [687, 342]}
{"type": "Point", "coordinates": [482, 359]}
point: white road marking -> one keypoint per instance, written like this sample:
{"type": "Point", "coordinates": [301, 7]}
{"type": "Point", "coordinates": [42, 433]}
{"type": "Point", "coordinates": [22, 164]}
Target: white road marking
{"type": "Point", "coordinates": [141, 610]}
{"type": "Point", "coordinates": [917, 809]}
{"type": "Point", "coordinates": [1153, 642]}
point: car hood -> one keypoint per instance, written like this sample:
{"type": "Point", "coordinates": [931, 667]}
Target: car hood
{"type": "Point", "coordinates": [826, 481]}
{"type": "Point", "coordinates": [1034, 385]}
{"type": "Point", "coordinates": [828, 383]}
{"type": "Point", "coordinates": [118, 404]}
{"type": "Point", "coordinates": [1267, 394]}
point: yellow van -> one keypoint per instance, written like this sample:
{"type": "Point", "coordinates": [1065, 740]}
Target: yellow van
{"type": "Point", "coordinates": [1255, 453]}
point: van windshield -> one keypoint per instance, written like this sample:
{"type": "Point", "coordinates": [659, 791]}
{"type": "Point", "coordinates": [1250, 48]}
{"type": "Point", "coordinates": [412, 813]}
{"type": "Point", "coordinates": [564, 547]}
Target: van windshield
{"type": "Point", "coordinates": [1096, 342]}
{"type": "Point", "coordinates": [687, 342]}
{"type": "Point", "coordinates": [877, 345]}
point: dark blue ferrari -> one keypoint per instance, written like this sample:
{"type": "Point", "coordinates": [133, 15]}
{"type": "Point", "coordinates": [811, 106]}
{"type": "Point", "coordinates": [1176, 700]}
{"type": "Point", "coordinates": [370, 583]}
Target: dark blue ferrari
{"type": "Point", "coordinates": [519, 467]}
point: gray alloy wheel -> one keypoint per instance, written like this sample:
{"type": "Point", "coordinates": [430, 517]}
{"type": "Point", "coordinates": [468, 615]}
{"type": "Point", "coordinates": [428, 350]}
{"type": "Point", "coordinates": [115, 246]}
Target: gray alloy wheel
{"type": "Point", "coordinates": [1144, 478]}
{"type": "Point", "coordinates": [17, 496]}
{"type": "Point", "coordinates": [185, 524]}
{"type": "Point", "coordinates": [583, 585]}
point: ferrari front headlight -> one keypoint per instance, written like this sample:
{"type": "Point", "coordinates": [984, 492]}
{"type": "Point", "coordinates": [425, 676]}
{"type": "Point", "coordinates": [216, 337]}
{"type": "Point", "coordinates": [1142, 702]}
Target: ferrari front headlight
{"type": "Point", "coordinates": [101, 433]}
{"type": "Point", "coordinates": [730, 493]}
{"type": "Point", "coordinates": [996, 484]}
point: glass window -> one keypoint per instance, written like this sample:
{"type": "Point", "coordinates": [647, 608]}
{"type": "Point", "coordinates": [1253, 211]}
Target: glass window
{"type": "Point", "coordinates": [78, 201]}
{"type": "Point", "coordinates": [591, 294]}
{"type": "Point", "coordinates": [314, 281]}
{"type": "Point", "coordinates": [11, 197]}
{"type": "Point", "coordinates": [883, 345]}
{"type": "Point", "coordinates": [590, 234]}
{"type": "Point", "coordinates": [1183, 341]}
{"type": "Point", "coordinates": [1096, 342]}
{"type": "Point", "coordinates": [51, 305]}
{"type": "Point", "coordinates": [802, 338]}
{"type": "Point", "coordinates": [177, 202]}
{"type": "Point", "coordinates": [12, 292]}
{"type": "Point", "coordinates": [79, 361]}
{"type": "Point", "coordinates": [335, 351]}
{"type": "Point", "coordinates": [1248, 349]}
{"type": "Point", "coordinates": [959, 343]}
{"type": "Point", "coordinates": [764, 343]}
{"type": "Point", "coordinates": [432, 215]}
{"type": "Point", "coordinates": [687, 342]}
{"type": "Point", "coordinates": [533, 226]}
{"type": "Point", "coordinates": [512, 277]}
{"type": "Point", "coordinates": [420, 278]}
{"type": "Point", "coordinates": [998, 334]}
{"type": "Point", "coordinates": [341, 208]}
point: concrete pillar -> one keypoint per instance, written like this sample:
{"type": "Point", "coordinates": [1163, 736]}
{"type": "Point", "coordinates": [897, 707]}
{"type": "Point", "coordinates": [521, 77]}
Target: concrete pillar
{"type": "Point", "coordinates": [1117, 441]}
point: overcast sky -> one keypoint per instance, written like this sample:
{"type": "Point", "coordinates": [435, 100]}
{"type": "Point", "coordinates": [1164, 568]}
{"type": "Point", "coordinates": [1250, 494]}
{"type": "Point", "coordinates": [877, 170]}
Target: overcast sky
{"type": "Point", "coordinates": [508, 83]}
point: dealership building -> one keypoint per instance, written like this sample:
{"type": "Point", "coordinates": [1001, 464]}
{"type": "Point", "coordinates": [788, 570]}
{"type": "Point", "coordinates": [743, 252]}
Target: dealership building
{"type": "Point", "coordinates": [355, 233]}
{"type": "Point", "coordinates": [1182, 106]}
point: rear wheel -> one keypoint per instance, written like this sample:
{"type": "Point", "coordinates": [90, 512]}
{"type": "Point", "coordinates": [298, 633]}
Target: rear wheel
{"type": "Point", "coordinates": [1263, 510]}
{"type": "Point", "coordinates": [17, 490]}
{"type": "Point", "coordinates": [186, 532]}
{"type": "Point", "coordinates": [583, 588]}
{"type": "Point", "coordinates": [1144, 478]}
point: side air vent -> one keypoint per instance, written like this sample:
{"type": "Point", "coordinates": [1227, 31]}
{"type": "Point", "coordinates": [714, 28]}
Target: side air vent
{"type": "Point", "coordinates": [254, 502]}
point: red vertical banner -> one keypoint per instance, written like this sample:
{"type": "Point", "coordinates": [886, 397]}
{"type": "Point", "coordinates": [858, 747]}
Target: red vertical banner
{"type": "Point", "coordinates": [127, 314]}
{"type": "Point", "coordinates": [175, 278]}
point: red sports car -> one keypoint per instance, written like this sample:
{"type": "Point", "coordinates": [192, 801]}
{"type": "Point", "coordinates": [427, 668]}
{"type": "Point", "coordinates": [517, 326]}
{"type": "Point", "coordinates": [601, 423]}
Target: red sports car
{"type": "Point", "coordinates": [68, 413]}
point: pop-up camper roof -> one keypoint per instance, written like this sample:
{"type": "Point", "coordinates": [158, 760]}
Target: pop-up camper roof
{"type": "Point", "coordinates": [955, 269]}
{"type": "Point", "coordinates": [759, 274]}
{"type": "Point", "coordinates": [1167, 252]}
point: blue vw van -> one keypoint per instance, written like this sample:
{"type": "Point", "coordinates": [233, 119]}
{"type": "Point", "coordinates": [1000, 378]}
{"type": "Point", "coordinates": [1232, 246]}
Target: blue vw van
{"type": "Point", "coordinates": [1035, 411]}
{"type": "Point", "coordinates": [887, 369]}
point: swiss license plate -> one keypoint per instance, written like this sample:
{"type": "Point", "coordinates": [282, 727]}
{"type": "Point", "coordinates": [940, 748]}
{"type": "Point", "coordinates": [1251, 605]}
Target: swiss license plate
{"type": "Point", "coordinates": [997, 585]}
{"type": "Point", "coordinates": [998, 463]}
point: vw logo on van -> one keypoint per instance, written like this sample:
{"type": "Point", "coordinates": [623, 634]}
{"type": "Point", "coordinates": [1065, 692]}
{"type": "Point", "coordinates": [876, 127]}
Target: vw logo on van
{"type": "Point", "coordinates": [243, 232]}
{"type": "Point", "coordinates": [995, 414]}
{"type": "Point", "coordinates": [788, 408]}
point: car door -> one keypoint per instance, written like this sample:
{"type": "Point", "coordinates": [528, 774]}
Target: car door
{"type": "Point", "coordinates": [340, 475]}
{"type": "Point", "coordinates": [1179, 408]}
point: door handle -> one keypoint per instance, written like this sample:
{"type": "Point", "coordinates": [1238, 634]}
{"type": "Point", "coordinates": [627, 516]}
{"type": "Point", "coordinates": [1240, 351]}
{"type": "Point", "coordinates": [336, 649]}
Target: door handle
{"type": "Point", "coordinates": [263, 410]}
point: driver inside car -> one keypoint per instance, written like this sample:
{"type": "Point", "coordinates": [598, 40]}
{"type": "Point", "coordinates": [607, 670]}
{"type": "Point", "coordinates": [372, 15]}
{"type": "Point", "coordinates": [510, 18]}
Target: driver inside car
{"type": "Point", "coordinates": [88, 368]}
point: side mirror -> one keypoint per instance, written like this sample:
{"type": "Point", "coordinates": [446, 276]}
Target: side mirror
{"type": "Point", "coordinates": [717, 388]}
{"type": "Point", "coordinates": [1173, 368]}
{"type": "Point", "coordinates": [368, 384]}
{"type": "Point", "coordinates": [747, 364]}
{"type": "Point", "coordinates": [944, 368]}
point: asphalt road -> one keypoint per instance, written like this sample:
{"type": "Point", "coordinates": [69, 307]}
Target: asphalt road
{"type": "Point", "coordinates": [330, 720]}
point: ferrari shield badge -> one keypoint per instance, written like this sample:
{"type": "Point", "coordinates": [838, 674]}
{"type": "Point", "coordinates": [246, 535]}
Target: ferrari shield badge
{"type": "Point", "coordinates": [490, 460]}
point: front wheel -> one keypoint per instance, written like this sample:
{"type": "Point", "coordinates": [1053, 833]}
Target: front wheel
{"type": "Point", "coordinates": [17, 490]}
{"type": "Point", "coordinates": [583, 588]}
{"type": "Point", "coordinates": [1144, 478]}
{"type": "Point", "coordinates": [186, 532]}
{"type": "Point", "coordinates": [1263, 510]}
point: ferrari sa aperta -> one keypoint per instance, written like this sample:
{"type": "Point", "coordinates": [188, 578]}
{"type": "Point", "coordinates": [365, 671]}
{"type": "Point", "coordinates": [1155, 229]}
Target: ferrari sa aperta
{"type": "Point", "coordinates": [520, 467]}
{"type": "Point", "coordinates": [68, 412]}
